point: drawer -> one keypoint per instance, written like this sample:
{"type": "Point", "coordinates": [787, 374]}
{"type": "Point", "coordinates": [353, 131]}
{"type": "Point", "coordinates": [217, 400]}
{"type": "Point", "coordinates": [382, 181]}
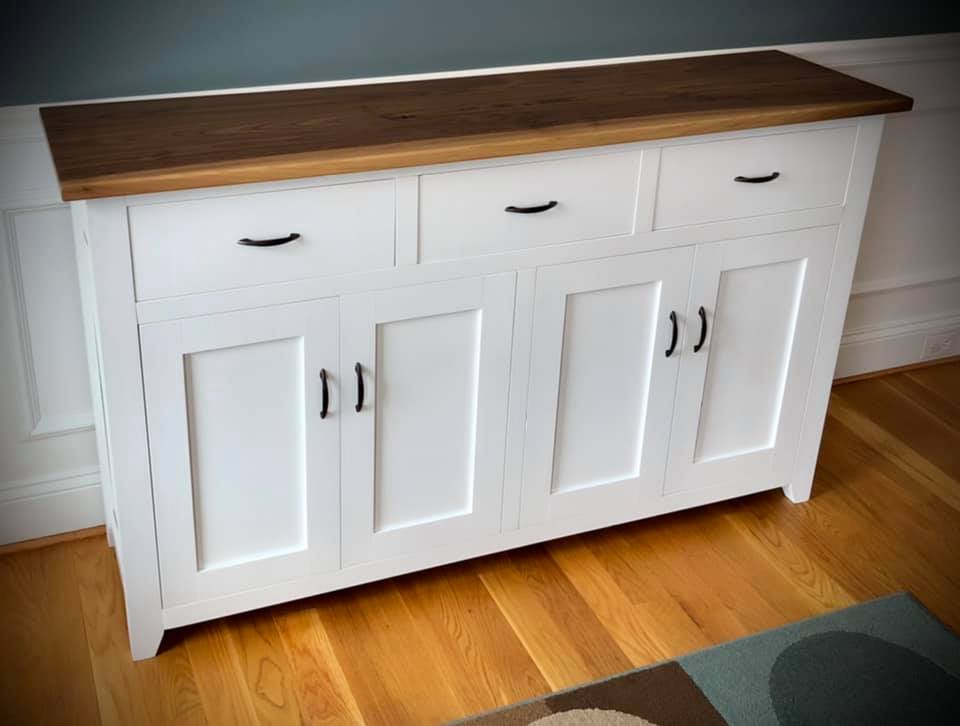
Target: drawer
{"type": "Point", "coordinates": [463, 213]}
{"type": "Point", "coordinates": [188, 247]}
{"type": "Point", "coordinates": [697, 181]}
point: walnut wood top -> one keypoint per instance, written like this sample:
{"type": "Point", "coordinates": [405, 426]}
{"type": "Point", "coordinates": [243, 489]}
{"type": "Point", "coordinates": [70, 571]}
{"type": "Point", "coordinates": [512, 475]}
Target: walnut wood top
{"type": "Point", "coordinates": [133, 147]}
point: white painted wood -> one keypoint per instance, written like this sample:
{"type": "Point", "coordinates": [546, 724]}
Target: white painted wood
{"type": "Point", "coordinates": [519, 391]}
{"type": "Point", "coordinates": [462, 213]}
{"type": "Point", "coordinates": [250, 297]}
{"type": "Point", "coordinates": [740, 399]}
{"type": "Point", "coordinates": [892, 346]}
{"type": "Point", "coordinates": [601, 386]}
{"type": "Point", "coordinates": [799, 478]}
{"type": "Point", "coordinates": [422, 461]}
{"type": "Point", "coordinates": [88, 309]}
{"type": "Point", "coordinates": [697, 180]}
{"type": "Point", "coordinates": [187, 247]}
{"type": "Point", "coordinates": [122, 383]}
{"type": "Point", "coordinates": [31, 509]}
{"type": "Point", "coordinates": [245, 471]}
{"type": "Point", "coordinates": [44, 276]}
{"type": "Point", "coordinates": [408, 219]}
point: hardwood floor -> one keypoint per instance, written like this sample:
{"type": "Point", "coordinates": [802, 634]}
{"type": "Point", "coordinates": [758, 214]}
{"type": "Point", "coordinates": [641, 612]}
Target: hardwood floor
{"type": "Point", "coordinates": [885, 516]}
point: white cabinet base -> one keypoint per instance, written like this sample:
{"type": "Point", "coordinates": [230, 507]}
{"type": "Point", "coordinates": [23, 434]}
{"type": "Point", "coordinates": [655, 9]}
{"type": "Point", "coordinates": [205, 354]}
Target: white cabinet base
{"type": "Point", "coordinates": [516, 381]}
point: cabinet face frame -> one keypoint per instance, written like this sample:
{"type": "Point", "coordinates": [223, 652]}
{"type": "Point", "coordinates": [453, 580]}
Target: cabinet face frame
{"type": "Point", "coordinates": [658, 283]}
{"type": "Point", "coordinates": [809, 255]}
{"type": "Point", "coordinates": [483, 307]}
{"type": "Point", "coordinates": [310, 332]}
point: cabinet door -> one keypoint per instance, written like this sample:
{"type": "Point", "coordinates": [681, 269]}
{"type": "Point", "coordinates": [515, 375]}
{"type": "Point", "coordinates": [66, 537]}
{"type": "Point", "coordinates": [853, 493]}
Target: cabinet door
{"type": "Point", "coordinates": [422, 458]}
{"type": "Point", "coordinates": [741, 398]}
{"type": "Point", "coordinates": [245, 467]}
{"type": "Point", "coordinates": [601, 385]}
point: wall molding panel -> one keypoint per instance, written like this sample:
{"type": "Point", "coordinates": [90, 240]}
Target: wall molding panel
{"type": "Point", "coordinates": [41, 422]}
{"type": "Point", "coordinates": [904, 289]}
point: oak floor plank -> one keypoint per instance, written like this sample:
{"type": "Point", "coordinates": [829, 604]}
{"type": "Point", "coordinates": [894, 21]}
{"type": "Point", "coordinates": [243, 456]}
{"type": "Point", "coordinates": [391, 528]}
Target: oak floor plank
{"type": "Point", "coordinates": [563, 635]}
{"type": "Point", "coordinates": [392, 671]}
{"type": "Point", "coordinates": [484, 662]}
{"type": "Point", "coordinates": [936, 403]}
{"type": "Point", "coordinates": [266, 668]}
{"type": "Point", "coordinates": [905, 423]}
{"type": "Point", "coordinates": [914, 465]}
{"type": "Point", "coordinates": [322, 688]}
{"type": "Point", "coordinates": [943, 380]}
{"type": "Point", "coordinates": [220, 676]}
{"type": "Point", "coordinates": [41, 627]}
{"type": "Point", "coordinates": [120, 695]}
{"type": "Point", "coordinates": [626, 622]}
{"type": "Point", "coordinates": [160, 690]}
{"type": "Point", "coordinates": [793, 561]}
{"type": "Point", "coordinates": [673, 626]}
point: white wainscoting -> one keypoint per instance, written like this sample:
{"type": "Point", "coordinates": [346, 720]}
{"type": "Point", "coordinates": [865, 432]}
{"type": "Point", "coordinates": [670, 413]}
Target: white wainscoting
{"type": "Point", "coordinates": [907, 288]}
{"type": "Point", "coordinates": [49, 477]}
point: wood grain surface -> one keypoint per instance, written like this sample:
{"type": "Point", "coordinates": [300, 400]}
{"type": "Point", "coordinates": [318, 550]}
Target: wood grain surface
{"type": "Point", "coordinates": [132, 147]}
{"type": "Point", "coordinates": [456, 640]}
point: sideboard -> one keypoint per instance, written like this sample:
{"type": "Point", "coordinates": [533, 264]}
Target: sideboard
{"type": "Point", "coordinates": [339, 334]}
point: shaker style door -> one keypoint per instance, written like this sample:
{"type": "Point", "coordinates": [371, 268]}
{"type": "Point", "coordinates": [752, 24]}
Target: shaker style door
{"type": "Point", "coordinates": [425, 386]}
{"type": "Point", "coordinates": [607, 341]}
{"type": "Point", "coordinates": [242, 414]}
{"type": "Point", "coordinates": [752, 333]}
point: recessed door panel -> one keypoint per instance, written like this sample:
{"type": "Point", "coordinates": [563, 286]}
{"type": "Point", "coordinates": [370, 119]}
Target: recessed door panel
{"type": "Point", "coordinates": [249, 477]}
{"type": "Point", "coordinates": [244, 455]}
{"type": "Point", "coordinates": [426, 411]}
{"type": "Point", "coordinates": [741, 396]}
{"type": "Point", "coordinates": [746, 374]}
{"type": "Point", "coordinates": [601, 385]}
{"type": "Point", "coordinates": [599, 434]}
{"type": "Point", "coordinates": [423, 447]}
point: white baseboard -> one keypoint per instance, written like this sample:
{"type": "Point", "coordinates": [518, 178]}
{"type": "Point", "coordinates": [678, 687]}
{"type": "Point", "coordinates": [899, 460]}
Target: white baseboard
{"type": "Point", "coordinates": [891, 345]}
{"type": "Point", "coordinates": [40, 508]}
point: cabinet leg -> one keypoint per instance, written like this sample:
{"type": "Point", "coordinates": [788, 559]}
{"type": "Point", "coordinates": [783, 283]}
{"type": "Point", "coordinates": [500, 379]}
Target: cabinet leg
{"type": "Point", "coordinates": [799, 491]}
{"type": "Point", "coordinates": [145, 640]}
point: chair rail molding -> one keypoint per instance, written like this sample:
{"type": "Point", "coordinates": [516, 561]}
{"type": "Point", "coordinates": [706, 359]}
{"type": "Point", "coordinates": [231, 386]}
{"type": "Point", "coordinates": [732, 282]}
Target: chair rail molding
{"type": "Point", "coordinates": [906, 287]}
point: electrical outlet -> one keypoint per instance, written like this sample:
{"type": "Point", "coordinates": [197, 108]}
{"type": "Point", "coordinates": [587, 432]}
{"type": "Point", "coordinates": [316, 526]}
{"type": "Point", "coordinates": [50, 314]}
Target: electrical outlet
{"type": "Point", "coordinates": [940, 345]}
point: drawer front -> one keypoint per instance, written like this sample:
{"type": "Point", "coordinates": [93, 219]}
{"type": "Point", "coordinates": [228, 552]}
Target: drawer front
{"type": "Point", "coordinates": [697, 181]}
{"type": "Point", "coordinates": [188, 247]}
{"type": "Point", "coordinates": [463, 213]}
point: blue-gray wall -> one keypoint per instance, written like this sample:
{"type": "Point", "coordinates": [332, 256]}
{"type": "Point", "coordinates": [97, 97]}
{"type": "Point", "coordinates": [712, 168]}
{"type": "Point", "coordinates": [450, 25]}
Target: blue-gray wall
{"type": "Point", "coordinates": [58, 50]}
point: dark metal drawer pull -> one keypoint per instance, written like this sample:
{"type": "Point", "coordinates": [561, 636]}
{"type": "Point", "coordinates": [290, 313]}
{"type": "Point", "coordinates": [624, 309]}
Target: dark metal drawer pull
{"type": "Point", "coordinates": [531, 210]}
{"type": "Point", "coordinates": [673, 338]}
{"type": "Point", "coordinates": [757, 179]}
{"type": "Point", "coordinates": [359, 371]}
{"type": "Point", "coordinates": [703, 329]}
{"type": "Point", "coordinates": [325, 394]}
{"type": "Point", "coordinates": [247, 242]}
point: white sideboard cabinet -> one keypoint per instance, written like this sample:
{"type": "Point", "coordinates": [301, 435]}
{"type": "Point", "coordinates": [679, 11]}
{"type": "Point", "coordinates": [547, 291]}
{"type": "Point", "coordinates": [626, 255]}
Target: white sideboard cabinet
{"type": "Point", "coordinates": [324, 369]}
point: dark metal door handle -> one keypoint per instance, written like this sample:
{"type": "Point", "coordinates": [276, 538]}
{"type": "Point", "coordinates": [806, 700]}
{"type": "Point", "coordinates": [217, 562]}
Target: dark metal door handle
{"type": "Point", "coordinates": [703, 329]}
{"type": "Point", "coordinates": [673, 338]}
{"type": "Point", "coordinates": [247, 242]}
{"type": "Point", "coordinates": [757, 179]}
{"type": "Point", "coordinates": [531, 210]}
{"type": "Point", "coordinates": [359, 371]}
{"type": "Point", "coordinates": [325, 394]}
